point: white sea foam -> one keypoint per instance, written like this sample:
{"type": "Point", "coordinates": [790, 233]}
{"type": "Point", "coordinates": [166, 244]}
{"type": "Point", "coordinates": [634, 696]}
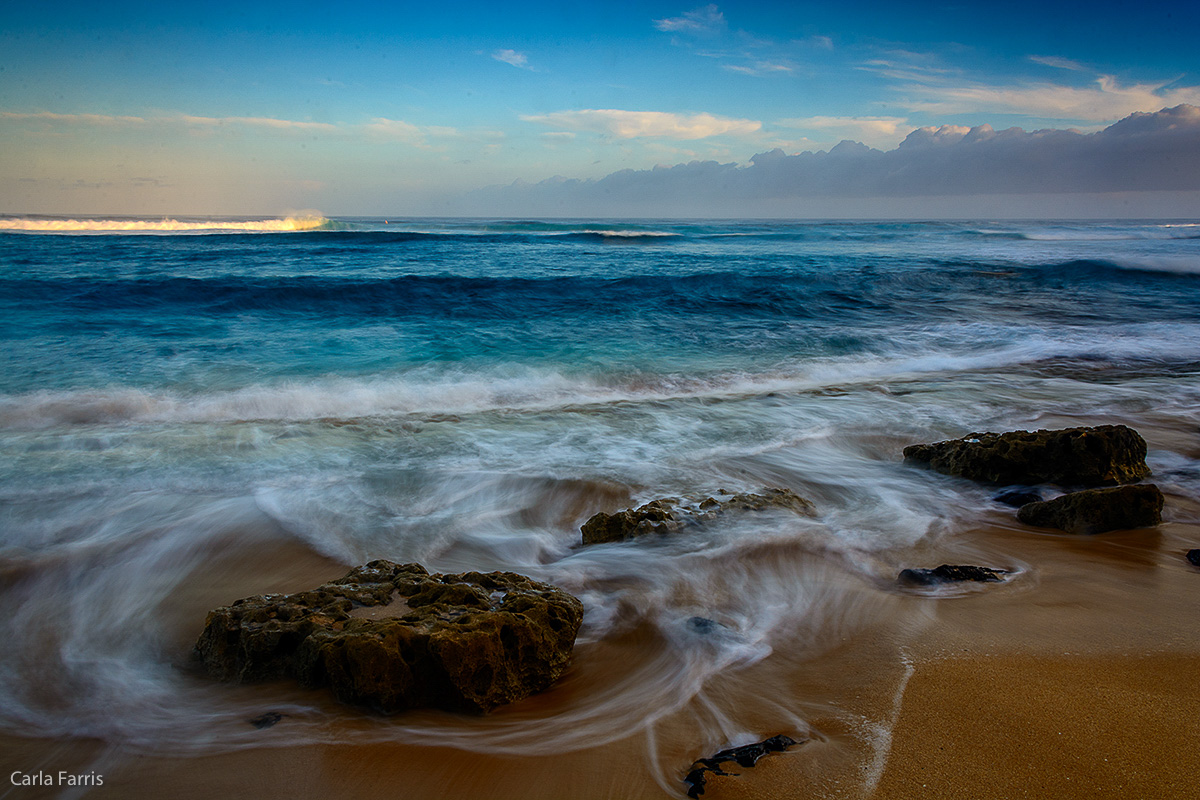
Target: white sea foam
{"type": "Point", "coordinates": [35, 225]}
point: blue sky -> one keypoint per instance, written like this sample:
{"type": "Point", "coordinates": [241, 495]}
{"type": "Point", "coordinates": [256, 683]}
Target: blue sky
{"type": "Point", "coordinates": [396, 108]}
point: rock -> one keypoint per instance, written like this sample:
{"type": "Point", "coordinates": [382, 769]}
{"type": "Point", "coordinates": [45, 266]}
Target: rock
{"type": "Point", "coordinates": [1102, 456]}
{"type": "Point", "coordinates": [950, 574]}
{"type": "Point", "coordinates": [393, 636]}
{"type": "Point", "coordinates": [1098, 510]}
{"type": "Point", "coordinates": [1018, 497]}
{"type": "Point", "coordinates": [668, 515]}
{"type": "Point", "coordinates": [746, 756]}
{"type": "Point", "coordinates": [266, 720]}
{"type": "Point", "coordinates": [1194, 556]}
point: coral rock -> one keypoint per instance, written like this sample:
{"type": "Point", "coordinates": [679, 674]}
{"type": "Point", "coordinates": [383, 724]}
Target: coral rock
{"type": "Point", "coordinates": [393, 636]}
{"type": "Point", "coordinates": [1102, 456]}
{"type": "Point", "coordinates": [1098, 510]}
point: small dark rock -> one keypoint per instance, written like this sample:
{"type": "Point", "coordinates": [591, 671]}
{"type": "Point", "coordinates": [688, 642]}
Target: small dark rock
{"type": "Point", "coordinates": [1194, 556]}
{"type": "Point", "coordinates": [266, 720]}
{"type": "Point", "coordinates": [947, 573]}
{"type": "Point", "coordinates": [1098, 510]}
{"type": "Point", "coordinates": [668, 515]}
{"type": "Point", "coordinates": [745, 756]}
{"type": "Point", "coordinates": [1102, 456]}
{"type": "Point", "coordinates": [1018, 497]}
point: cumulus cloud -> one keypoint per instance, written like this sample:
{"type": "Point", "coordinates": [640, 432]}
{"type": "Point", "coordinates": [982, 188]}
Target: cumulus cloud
{"type": "Point", "coordinates": [512, 57]}
{"type": "Point", "coordinates": [705, 20]}
{"type": "Point", "coordinates": [637, 124]}
{"type": "Point", "coordinates": [1145, 152]}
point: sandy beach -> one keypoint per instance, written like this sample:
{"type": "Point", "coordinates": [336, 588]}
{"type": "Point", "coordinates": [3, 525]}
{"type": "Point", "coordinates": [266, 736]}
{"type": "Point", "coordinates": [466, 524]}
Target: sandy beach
{"type": "Point", "coordinates": [1075, 680]}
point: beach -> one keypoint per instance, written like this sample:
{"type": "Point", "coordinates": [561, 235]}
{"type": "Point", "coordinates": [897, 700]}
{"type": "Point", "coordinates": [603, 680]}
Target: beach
{"type": "Point", "coordinates": [191, 418]}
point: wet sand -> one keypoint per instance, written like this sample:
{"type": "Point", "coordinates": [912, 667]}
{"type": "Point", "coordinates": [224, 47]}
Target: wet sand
{"type": "Point", "coordinates": [1077, 679]}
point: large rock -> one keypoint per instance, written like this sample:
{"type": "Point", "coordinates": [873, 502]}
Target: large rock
{"type": "Point", "coordinates": [671, 514]}
{"type": "Point", "coordinates": [1102, 456]}
{"type": "Point", "coordinates": [1098, 510]}
{"type": "Point", "coordinates": [393, 636]}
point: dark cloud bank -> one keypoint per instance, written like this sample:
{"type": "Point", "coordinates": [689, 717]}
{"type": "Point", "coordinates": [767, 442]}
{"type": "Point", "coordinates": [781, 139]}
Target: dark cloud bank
{"type": "Point", "coordinates": [1148, 164]}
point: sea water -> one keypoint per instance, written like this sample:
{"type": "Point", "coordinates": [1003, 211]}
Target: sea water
{"type": "Point", "coordinates": [179, 398]}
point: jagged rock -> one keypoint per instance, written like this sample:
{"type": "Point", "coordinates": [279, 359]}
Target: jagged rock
{"type": "Point", "coordinates": [1018, 497]}
{"type": "Point", "coordinates": [1194, 556]}
{"type": "Point", "coordinates": [670, 514]}
{"type": "Point", "coordinates": [393, 636]}
{"type": "Point", "coordinates": [1098, 510]}
{"type": "Point", "coordinates": [745, 756]}
{"type": "Point", "coordinates": [1100, 456]}
{"type": "Point", "coordinates": [947, 573]}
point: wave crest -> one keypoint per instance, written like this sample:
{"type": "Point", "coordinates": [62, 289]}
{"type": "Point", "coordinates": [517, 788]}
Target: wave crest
{"type": "Point", "coordinates": [165, 225]}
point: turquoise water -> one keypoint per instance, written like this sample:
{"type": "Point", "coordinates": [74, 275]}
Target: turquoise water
{"type": "Point", "coordinates": [466, 393]}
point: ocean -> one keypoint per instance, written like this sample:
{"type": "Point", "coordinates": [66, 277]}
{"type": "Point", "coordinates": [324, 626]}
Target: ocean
{"type": "Point", "coordinates": [193, 411]}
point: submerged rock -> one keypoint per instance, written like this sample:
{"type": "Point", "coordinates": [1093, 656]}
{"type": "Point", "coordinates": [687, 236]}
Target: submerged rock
{"type": "Point", "coordinates": [668, 515]}
{"type": "Point", "coordinates": [1194, 556]}
{"type": "Point", "coordinates": [1100, 456]}
{"type": "Point", "coordinates": [393, 636]}
{"type": "Point", "coordinates": [947, 573]}
{"type": "Point", "coordinates": [745, 756]}
{"type": "Point", "coordinates": [1098, 510]}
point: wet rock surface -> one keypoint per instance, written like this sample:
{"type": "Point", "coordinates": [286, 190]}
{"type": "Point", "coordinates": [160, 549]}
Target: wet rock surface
{"type": "Point", "coordinates": [393, 636]}
{"type": "Point", "coordinates": [1105, 455]}
{"type": "Point", "coordinates": [1098, 510]}
{"type": "Point", "coordinates": [745, 756]}
{"type": "Point", "coordinates": [671, 514]}
{"type": "Point", "coordinates": [948, 573]}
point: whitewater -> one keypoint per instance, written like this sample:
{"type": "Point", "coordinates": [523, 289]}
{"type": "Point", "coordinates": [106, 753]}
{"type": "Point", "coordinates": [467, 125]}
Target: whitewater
{"type": "Point", "coordinates": [194, 410]}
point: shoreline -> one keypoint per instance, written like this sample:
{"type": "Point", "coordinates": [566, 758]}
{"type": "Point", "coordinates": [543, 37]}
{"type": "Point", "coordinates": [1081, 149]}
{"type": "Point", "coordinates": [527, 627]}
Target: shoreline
{"type": "Point", "coordinates": [1019, 690]}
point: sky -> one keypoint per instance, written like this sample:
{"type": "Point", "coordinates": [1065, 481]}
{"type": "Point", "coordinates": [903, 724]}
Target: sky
{"type": "Point", "coordinates": [615, 109]}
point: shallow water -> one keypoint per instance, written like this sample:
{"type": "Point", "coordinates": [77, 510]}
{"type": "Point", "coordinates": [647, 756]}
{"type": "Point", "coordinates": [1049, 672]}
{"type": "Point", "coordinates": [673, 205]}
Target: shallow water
{"type": "Point", "coordinates": [190, 416]}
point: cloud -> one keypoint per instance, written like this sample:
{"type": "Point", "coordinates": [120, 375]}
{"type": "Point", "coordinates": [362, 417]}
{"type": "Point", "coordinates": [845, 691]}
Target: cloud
{"type": "Point", "coordinates": [1145, 152]}
{"type": "Point", "coordinates": [1059, 63]}
{"type": "Point", "coordinates": [512, 57]}
{"type": "Point", "coordinates": [258, 122]}
{"type": "Point", "coordinates": [869, 129]}
{"type": "Point", "coordinates": [74, 119]}
{"type": "Point", "coordinates": [759, 68]}
{"type": "Point", "coordinates": [379, 128]}
{"type": "Point", "coordinates": [1106, 100]}
{"type": "Point", "coordinates": [637, 124]}
{"type": "Point", "coordinates": [701, 21]}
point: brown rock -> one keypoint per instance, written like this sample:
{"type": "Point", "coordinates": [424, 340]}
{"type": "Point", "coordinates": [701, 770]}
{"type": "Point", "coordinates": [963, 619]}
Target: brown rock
{"type": "Point", "coordinates": [1102, 456]}
{"type": "Point", "coordinates": [1098, 510]}
{"type": "Point", "coordinates": [671, 514]}
{"type": "Point", "coordinates": [949, 573]}
{"type": "Point", "coordinates": [394, 636]}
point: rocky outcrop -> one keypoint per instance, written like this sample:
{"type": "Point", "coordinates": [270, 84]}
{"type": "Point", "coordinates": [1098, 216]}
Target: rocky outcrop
{"type": "Point", "coordinates": [1106, 455]}
{"type": "Point", "coordinates": [393, 636]}
{"type": "Point", "coordinates": [668, 515]}
{"type": "Point", "coordinates": [745, 756]}
{"type": "Point", "coordinates": [1098, 510]}
{"type": "Point", "coordinates": [947, 573]}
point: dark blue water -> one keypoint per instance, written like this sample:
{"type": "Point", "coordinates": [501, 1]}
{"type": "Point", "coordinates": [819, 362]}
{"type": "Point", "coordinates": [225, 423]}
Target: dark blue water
{"type": "Point", "coordinates": [466, 393]}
